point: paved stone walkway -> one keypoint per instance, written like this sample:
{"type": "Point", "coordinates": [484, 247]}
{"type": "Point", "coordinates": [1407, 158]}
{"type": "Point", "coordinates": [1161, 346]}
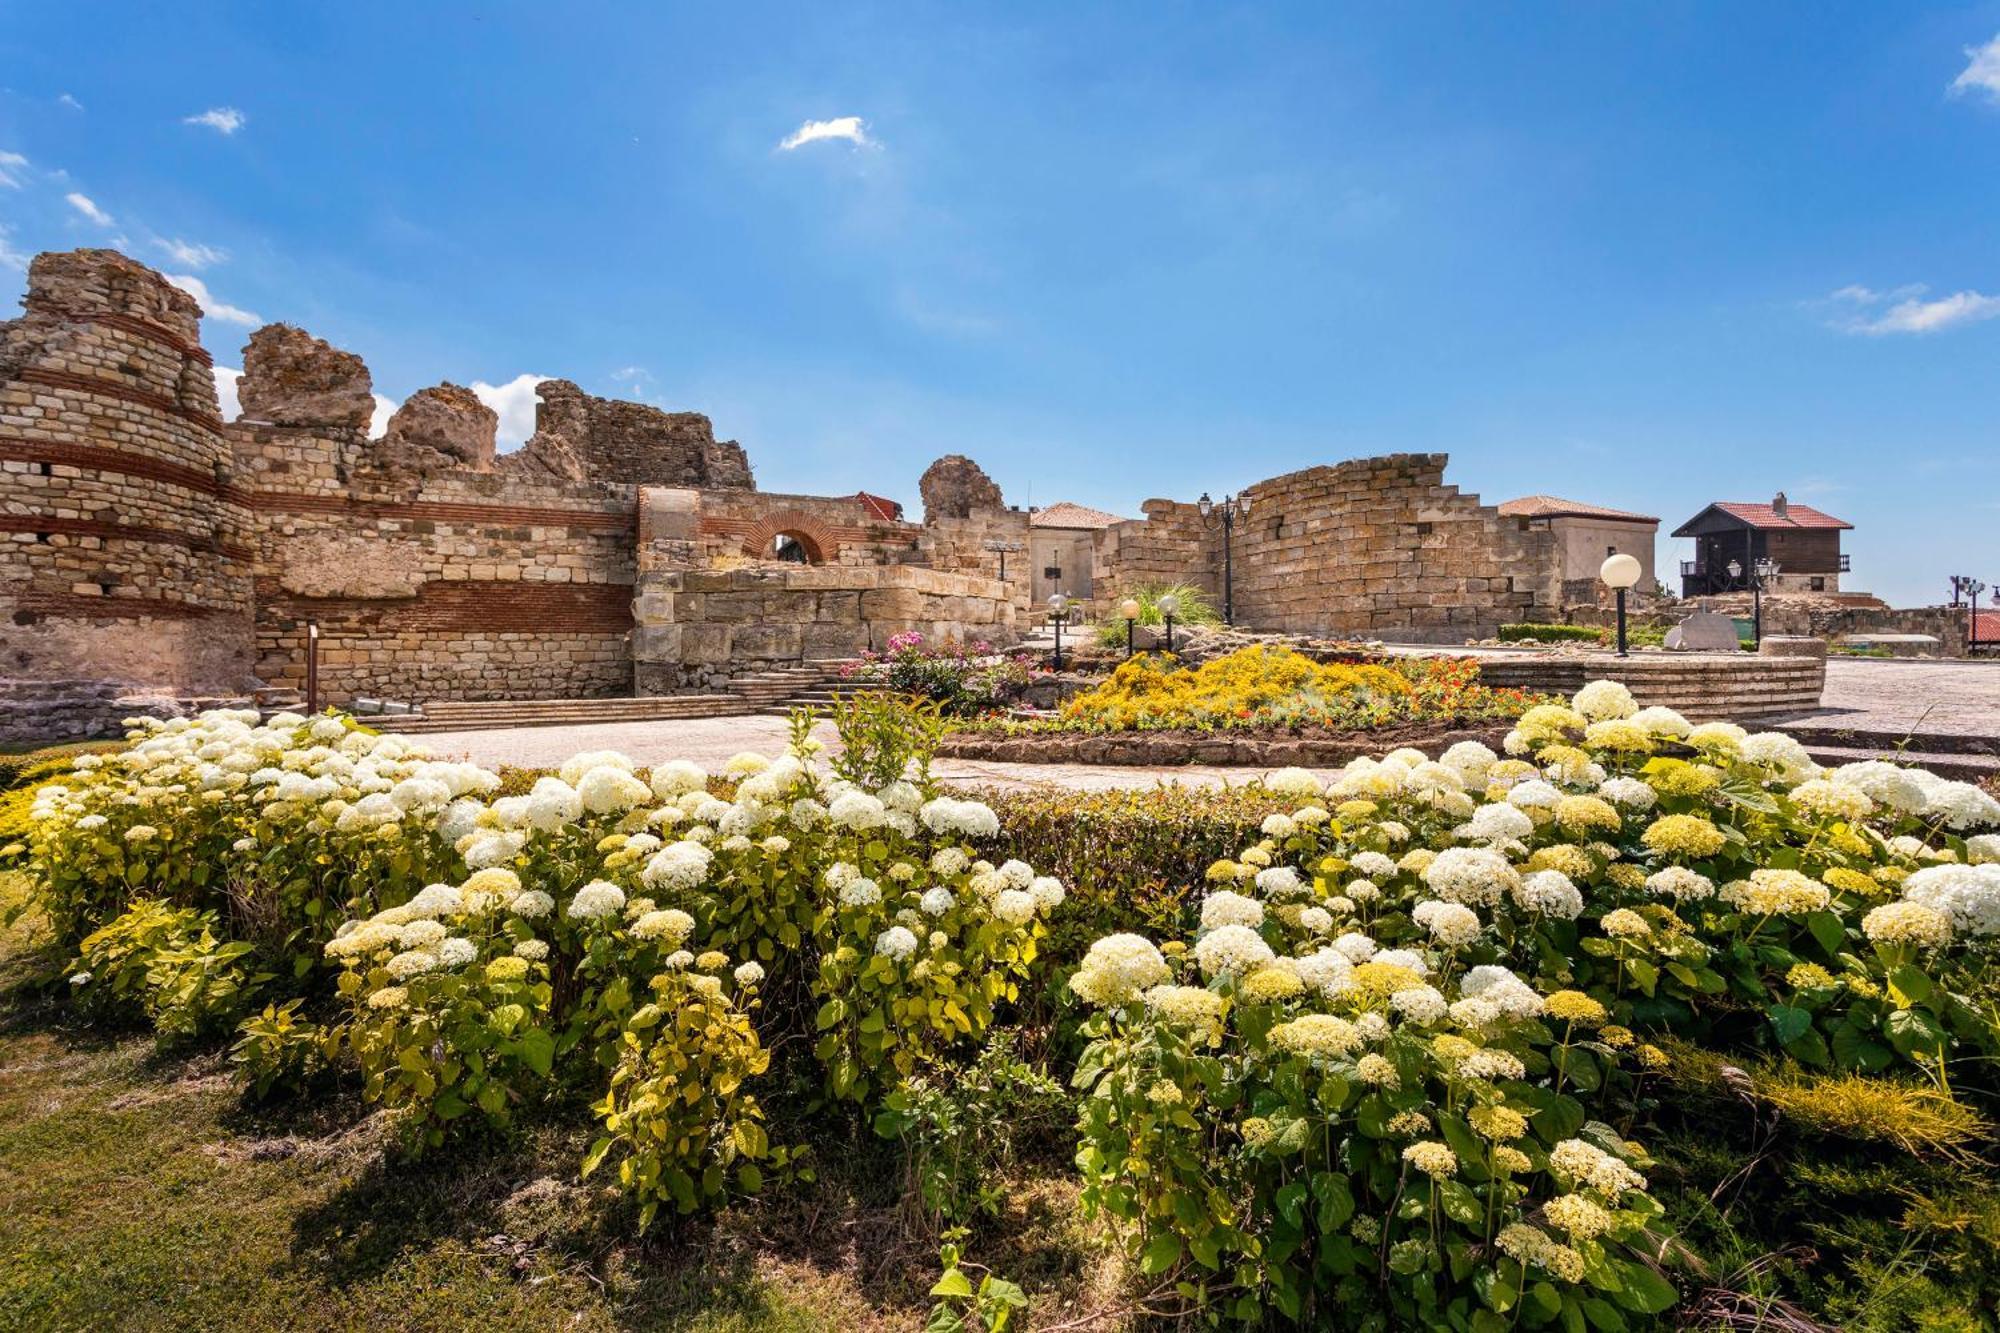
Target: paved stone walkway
{"type": "Point", "coordinates": [1868, 695]}
{"type": "Point", "coordinates": [1892, 697]}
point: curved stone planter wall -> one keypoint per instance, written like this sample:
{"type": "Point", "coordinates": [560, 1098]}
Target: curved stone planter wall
{"type": "Point", "coordinates": [1701, 686]}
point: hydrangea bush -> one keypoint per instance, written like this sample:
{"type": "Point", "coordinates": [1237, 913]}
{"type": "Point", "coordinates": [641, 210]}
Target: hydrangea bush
{"type": "Point", "coordinates": [1380, 1074]}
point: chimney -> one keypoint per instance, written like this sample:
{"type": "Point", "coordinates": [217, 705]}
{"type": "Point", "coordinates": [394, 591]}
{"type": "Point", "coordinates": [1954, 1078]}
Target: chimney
{"type": "Point", "coordinates": [1778, 504]}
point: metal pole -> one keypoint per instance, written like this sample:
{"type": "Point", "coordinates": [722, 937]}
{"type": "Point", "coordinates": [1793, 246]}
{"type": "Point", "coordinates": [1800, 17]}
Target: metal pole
{"type": "Point", "coordinates": [1621, 624]}
{"type": "Point", "coordinates": [1972, 625]}
{"type": "Point", "coordinates": [1056, 616]}
{"type": "Point", "coordinates": [1129, 644]}
{"type": "Point", "coordinates": [1170, 634]}
{"type": "Point", "coordinates": [1757, 611]}
{"type": "Point", "coordinates": [1228, 570]}
{"type": "Point", "coordinates": [312, 667]}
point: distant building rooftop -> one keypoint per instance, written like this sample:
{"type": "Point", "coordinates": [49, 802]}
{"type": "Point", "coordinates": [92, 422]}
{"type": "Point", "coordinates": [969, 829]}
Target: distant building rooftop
{"type": "Point", "coordinates": [1778, 515]}
{"type": "Point", "coordinates": [877, 506]}
{"type": "Point", "coordinates": [1554, 506]}
{"type": "Point", "coordinates": [1066, 515]}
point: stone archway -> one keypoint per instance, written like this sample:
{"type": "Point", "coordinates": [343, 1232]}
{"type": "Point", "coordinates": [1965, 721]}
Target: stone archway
{"type": "Point", "coordinates": [813, 541]}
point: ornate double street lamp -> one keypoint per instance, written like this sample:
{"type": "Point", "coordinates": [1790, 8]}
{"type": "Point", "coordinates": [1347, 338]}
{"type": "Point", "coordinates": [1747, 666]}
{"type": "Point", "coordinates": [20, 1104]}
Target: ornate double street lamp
{"type": "Point", "coordinates": [1232, 508]}
{"type": "Point", "coordinates": [1968, 587]}
{"type": "Point", "coordinates": [1170, 606]}
{"type": "Point", "coordinates": [1763, 569]}
{"type": "Point", "coordinates": [1620, 572]}
{"type": "Point", "coordinates": [1129, 608]}
{"type": "Point", "coordinates": [1058, 608]}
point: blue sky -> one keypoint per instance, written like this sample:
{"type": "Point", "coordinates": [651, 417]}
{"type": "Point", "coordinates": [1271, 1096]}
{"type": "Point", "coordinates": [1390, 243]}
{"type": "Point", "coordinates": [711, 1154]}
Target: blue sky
{"type": "Point", "coordinates": [1646, 256]}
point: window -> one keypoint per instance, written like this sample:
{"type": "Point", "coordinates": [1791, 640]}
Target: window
{"type": "Point", "coordinates": [1818, 584]}
{"type": "Point", "coordinates": [1610, 550]}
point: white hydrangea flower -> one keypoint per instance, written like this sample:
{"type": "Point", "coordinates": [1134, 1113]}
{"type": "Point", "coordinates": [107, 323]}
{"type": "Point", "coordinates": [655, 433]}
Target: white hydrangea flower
{"type": "Point", "coordinates": [857, 810]}
{"type": "Point", "coordinates": [937, 901]}
{"type": "Point", "coordinates": [1452, 925]}
{"type": "Point", "coordinates": [1549, 893]}
{"type": "Point", "coordinates": [1224, 907]}
{"type": "Point", "coordinates": [678, 865]}
{"type": "Point", "coordinates": [1280, 882]}
{"type": "Point", "coordinates": [896, 943]}
{"type": "Point", "coordinates": [1474, 875]}
{"type": "Point", "coordinates": [1014, 907]}
{"type": "Point", "coordinates": [1601, 700]}
{"type": "Point", "coordinates": [860, 892]}
{"type": "Point", "coordinates": [1632, 793]}
{"type": "Point", "coordinates": [607, 789]}
{"type": "Point", "coordinates": [596, 900]}
{"type": "Point", "coordinates": [1231, 950]}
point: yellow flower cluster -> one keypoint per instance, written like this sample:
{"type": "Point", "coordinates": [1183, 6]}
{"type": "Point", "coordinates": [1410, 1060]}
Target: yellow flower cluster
{"type": "Point", "coordinates": [1684, 835]}
{"type": "Point", "coordinates": [1145, 692]}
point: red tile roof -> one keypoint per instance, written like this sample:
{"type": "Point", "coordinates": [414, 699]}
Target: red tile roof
{"type": "Point", "coordinates": [1795, 516]}
{"type": "Point", "coordinates": [1987, 630]}
{"type": "Point", "coordinates": [1063, 514]}
{"type": "Point", "coordinates": [1551, 506]}
{"type": "Point", "coordinates": [878, 507]}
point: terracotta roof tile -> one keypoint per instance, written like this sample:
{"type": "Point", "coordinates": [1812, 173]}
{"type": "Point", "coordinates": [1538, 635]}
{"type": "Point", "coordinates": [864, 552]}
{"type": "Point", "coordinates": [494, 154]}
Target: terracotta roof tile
{"type": "Point", "coordinates": [1552, 506]}
{"type": "Point", "coordinates": [1063, 514]}
{"type": "Point", "coordinates": [879, 507]}
{"type": "Point", "coordinates": [1795, 516]}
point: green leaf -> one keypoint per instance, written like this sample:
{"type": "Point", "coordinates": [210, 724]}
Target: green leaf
{"type": "Point", "coordinates": [1644, 973]}
{"type": "Point", "coordinates": [1646, 1291]}
{"type": "Point", "coordinates": [1460, 1203]}
{"type": "Point", "coordinates": [1161, 1253]}
{"type": "Point", "coordinates": [595, 1157]}
{"type": "Point", "coordinates": [1826, 927]}
{"type": "Point", "coordinates": [538, 1049]}
{"type": "Point", "coordinates": [1853, 1050]}
{"type": "Point", "coordinates": [1789, 1022]}
{"type": "Point", "coordinates": [1908, 985]}
{"type": "Point", "coordinates": [954, 1284]}
{"type": "Point", "coordinates": [1913, 1032]}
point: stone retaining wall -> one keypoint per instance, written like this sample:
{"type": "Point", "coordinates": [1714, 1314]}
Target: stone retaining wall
{"type": "Point", "coordinates": [1699, 686]}
{"type": "Point", "coordinates": [697, 630]}
{"type": "Point", "coordinates": [1168, 749]}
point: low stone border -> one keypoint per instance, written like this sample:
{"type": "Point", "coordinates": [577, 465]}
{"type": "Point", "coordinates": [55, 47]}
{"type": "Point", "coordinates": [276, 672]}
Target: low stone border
{"type": "Point", "coordinates": [1165, 749]}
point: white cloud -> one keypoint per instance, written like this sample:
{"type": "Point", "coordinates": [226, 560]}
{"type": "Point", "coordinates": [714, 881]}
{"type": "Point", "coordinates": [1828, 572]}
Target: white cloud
{"type": "Point", "coordinates": [851, 128]}
{"type": "Point", "coordinates": [225, 391]}
{"type": "Point", "coordinates": [9, 256]}
{"type": "Point", "coordinates": [384, 409]}
{"type": "Point", "coordinates": [514, 402]}
{"type": "Point", "coordinates": [87, 206]}
{"type": "Point", "coordinates": [1903, 310]}
{"type": "Point", "coordinates": [212, 306]}
{"type": "Point", "coordinates": [68, 101]}
{"type": "Point", "coordinates": [1983, 74]}
{"type": "Point", "coordinates": [12, 166]}
{"type": "Point", "coordinates": [222, 119]}
{"type": "Point", "coordinates": [190, 254]}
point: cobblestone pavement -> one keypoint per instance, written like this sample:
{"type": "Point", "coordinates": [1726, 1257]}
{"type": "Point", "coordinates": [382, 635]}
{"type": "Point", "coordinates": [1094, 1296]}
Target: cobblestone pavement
{"type": "Point", "coordinates": [710, 741]}
{"type": "Point", "coordinates": [1877, 695]}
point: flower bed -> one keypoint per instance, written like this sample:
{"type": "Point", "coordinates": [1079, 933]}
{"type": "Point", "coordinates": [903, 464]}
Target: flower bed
{"type": "Point", "coordinates": [1428, 1042]}
{"type": "Point", "coordinates": [1235, 746]}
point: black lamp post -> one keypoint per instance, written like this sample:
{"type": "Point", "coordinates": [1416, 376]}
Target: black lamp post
{"type": "Point", "coordinates": [1619, 573]}
{"type": "Point", "coordinates": [1129, 608]}
{"type": "Point", "coordinates": [1232, 508]}
{"type": "Point", "coordinates": [312, 667]}
{"type": "Point", "coordinates": [1058, 605]}
{"type": "Point", "coordinates": [1170, 606]}
{"type": "Point", "coordinates": [1969, 587]}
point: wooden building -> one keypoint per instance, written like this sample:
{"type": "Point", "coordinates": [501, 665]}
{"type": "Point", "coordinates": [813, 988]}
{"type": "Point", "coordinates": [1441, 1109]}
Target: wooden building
{"type": "Point", "coordinates": [1802, 541]}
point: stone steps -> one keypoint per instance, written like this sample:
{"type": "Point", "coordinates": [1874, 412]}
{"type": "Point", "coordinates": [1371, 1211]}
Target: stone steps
{"type": "Point", "coordinates": [1964, 766]}
{"type": "Point", "coordinates": [498, 714]}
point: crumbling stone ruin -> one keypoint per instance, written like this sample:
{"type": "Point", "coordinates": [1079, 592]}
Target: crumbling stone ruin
{"type": "Point", "coordinates": [578, 437]}
{"type": "Point", "coordinates": [153, 552]}
{"type": "Point", "coordinates": [957, 487]}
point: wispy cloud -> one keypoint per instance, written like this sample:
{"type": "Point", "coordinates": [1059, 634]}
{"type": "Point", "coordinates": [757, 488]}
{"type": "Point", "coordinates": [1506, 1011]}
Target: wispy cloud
{"type": "Point", "coordinates": [9, 256]}
{"type": "Point", "coordinates": [1983, 74]}
{"type": "Point", "coordinates": [87, 206]}
{"type": "Point", "coordinates": [221, 119]}
{"type": "Point", "coordinates": [12, 168]}
{"type": "Point", "coordinates": [853, 129]}
{"type": "Point", "coordinates": [385, 407]}
{"type": "Point", "coordinates": [212, 306]}
{"type": "Point", "coordinates": [225, 391]}
{"type": "Point", "coordinates": [1865, 310]}
{"type": "Point", "coordinates": [514, 403]}
{"type": "Point", "coordinates": [70, 102]}
{"type": "Point", "coordinates": [190, 254]}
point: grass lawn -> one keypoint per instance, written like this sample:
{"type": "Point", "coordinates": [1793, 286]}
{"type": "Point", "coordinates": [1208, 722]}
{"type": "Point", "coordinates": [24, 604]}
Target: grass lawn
{"type": "Point", "coordinates": [137, 1190]}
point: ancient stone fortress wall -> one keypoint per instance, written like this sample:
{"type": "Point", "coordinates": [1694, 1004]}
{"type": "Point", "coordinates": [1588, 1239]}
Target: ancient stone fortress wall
{"type": "Point", "coordinates": [700, 629]}
{"type": "Point", "coordinates": [124, 531]}
{"type": "Point", "coordinates": [1375, 546]}
{"type": "Point", "coordinates": [429, 574]}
